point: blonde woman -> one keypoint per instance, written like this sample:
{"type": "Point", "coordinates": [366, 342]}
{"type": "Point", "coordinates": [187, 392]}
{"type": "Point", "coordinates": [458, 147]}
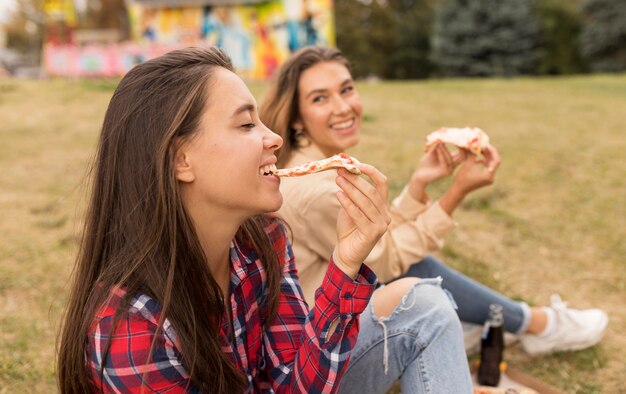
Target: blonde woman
{"type": "Point", "coordinates": [314, 105]}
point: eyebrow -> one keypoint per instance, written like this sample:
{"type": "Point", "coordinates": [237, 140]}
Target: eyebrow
{"type": "Point", "coordinates": [244, 108]}
{"type": "Point", "coordinates": [347, 81]}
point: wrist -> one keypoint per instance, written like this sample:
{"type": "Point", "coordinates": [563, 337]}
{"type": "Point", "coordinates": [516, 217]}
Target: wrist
{"type": "Point", "coordinates": [350, 271]}
{"type": "Point", "coordinates": [458, 191]}
{"type": "Point", "coordinates": [451, 199]}
{"type": "Point", "coordinates": [417, 190]}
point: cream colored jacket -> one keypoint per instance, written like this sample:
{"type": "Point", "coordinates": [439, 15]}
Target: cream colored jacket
{"type": "Point", "coordinates": [311, 208]}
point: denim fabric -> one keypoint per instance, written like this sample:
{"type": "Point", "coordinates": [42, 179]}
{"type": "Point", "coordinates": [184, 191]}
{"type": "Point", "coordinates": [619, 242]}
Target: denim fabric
{"type": "Point", "coordinates": [472, 298]}
{"type": "Point", "coordinates": [420, 343]}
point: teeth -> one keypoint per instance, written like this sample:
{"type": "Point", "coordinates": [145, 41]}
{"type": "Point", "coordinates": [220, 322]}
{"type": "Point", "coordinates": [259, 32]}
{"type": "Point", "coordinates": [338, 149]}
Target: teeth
{"type": "Point", "coordinates": [267, 170]}
{"type": "Point", "coordinates": [343, 125]}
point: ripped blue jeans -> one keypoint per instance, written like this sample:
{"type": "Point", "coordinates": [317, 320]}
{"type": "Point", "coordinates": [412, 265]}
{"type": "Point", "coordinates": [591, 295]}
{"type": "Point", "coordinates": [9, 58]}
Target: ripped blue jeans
{"type": "Point", "coordinates": [473, 298]}
{"type": "Point", "coordinates": [420, 344]}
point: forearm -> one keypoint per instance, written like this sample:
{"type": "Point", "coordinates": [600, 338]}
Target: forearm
{"type": "Point", "coordinates": [417, 190]}
{"type": "Point", "coordinates": [451, 199]}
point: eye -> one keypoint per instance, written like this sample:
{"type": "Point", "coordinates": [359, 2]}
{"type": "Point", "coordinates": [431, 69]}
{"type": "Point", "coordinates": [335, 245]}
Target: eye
{"type": "Point", "coordinates": [248, 126]}
{"type": "Point", "coordinates": [347, 89]}
{"type": "Point", "coordinates": [319, 99]}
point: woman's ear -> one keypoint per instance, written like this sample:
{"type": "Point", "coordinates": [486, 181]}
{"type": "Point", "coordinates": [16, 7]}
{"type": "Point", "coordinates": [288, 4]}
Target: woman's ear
{"type": "Point", "coordinates": [184, 170]}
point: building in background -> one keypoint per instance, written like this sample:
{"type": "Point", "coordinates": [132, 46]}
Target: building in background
{"type": "Point", "coordinates": [258, 35]}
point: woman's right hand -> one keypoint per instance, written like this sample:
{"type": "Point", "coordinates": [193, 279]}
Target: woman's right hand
{"type": "Point", "coordinates": [476, 173]}
{"type": "Point", "coordinates": [473, 174]}
{"type": "Point", "coordinates": [363, 217]}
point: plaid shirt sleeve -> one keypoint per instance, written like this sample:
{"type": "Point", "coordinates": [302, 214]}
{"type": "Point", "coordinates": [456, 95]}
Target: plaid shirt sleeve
{"type": "Point", "coordinates": [127, 368]}
{"type": "Point", "coordinates": [302, 354]}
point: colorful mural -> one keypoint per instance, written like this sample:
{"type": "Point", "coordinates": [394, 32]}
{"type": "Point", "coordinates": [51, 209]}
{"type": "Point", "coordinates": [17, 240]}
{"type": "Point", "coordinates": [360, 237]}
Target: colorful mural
{"type": "Point", "coordinates": [98, 60]}
{"type": "Point", "coordinates": [258, 38]}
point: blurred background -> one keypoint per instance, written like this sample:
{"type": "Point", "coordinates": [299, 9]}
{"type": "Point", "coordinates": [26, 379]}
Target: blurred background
{"type": "Point", "coordinates": [544, 78]}
{"type": "Point", "coordinates": [389, 39]}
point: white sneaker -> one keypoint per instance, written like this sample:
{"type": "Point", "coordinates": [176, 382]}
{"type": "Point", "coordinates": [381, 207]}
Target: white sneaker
{"type": "Point", "coordinates": [575, 330]}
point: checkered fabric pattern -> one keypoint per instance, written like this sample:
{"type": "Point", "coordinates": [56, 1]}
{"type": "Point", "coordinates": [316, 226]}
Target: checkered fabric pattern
{"type": "Point", "coordinates": [296, 352]}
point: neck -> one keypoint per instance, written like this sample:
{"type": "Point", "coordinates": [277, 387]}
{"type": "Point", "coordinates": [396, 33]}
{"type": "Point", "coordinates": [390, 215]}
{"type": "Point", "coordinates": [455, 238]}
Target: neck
{"type": "Point", "coordinates": [215, 230]}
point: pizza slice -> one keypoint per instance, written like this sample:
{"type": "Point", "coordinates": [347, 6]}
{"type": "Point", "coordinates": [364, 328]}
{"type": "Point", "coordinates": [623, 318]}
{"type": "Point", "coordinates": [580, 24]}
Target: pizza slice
{"type": "Point", "coordinates": [341, 160]}
{"type": "Point", "coordinates": [470, 138]}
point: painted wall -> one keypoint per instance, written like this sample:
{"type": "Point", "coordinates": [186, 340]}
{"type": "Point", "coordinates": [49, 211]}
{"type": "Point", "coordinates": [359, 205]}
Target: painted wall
{"type": "Point", "coordinates": [258, 38]}
{"type": "Point", "coordinates": [112, 60]}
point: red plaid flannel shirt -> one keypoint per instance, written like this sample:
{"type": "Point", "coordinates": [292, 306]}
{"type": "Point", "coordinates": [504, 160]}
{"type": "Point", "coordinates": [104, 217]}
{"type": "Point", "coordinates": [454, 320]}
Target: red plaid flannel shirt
{"type": "Point", "coordinates": [293, 354]}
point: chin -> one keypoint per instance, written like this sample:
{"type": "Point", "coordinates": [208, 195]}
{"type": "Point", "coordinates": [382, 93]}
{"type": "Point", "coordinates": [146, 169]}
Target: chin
{"type": "Point", "coordinates": [274, 205]}
{"type": "Point", "coordinates": [350, 141]}
{"type": "Point", "coordinates": [279, 203]}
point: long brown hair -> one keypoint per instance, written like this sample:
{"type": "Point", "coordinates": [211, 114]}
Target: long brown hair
{"type": "Point", "coordinates": [137, 233]}
{"type": "Point", "coordinates": [280, 109]}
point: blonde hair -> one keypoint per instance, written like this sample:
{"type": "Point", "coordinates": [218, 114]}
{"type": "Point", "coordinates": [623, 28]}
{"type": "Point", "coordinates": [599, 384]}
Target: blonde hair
{"type": "Point", "coordinates": [280, 109]}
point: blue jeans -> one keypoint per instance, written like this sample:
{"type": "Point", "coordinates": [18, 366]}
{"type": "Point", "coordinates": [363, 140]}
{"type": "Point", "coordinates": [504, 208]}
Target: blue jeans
{"type": "Point", "coordinates": [471, 297]}
{"type": "Point", "coordinates": [420, 343]}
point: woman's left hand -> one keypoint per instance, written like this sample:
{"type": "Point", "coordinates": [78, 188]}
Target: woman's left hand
{"type": "Point", "coordinates": [436, 164]}
{"type": "Point", "coordinates": [363, 218]}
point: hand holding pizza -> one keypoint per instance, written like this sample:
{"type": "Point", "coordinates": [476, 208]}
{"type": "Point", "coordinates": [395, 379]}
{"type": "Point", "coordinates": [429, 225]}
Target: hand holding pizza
{"type": "Point", "coordinates": [363, 217]}
{"type": "Point", "coordinates": [476, 173]}
{"type": "Point", "coordinates": [436, 164]}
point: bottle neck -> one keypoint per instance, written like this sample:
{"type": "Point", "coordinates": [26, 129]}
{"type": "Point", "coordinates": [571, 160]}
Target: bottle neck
{"type": "Point", "coordinates": [495, 315]}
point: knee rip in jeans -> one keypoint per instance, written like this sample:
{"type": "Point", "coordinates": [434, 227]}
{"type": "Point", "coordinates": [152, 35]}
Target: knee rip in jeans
{"type": "Point", "coordinates": [406, 303]}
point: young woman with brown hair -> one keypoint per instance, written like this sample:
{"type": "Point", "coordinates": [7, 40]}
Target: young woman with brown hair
{"type": "Point", "coordinates": [314, 105]}
{"type": "Point", "coordinates": [182, 282]}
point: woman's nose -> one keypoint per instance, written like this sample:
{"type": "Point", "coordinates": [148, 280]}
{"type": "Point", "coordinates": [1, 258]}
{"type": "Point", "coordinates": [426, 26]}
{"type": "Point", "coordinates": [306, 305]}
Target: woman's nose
{"type": "Point", "coordinates": [341, 106]}
{"type": "Point", "coordinates": [272, 141]}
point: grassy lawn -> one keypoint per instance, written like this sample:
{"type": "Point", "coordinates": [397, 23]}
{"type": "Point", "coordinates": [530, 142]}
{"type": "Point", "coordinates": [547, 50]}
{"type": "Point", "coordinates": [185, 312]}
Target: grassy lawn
{"type": "Point", "coordinates": [555, 221]}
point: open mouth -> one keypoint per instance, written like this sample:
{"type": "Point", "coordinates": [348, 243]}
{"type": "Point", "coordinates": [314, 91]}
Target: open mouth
{"type": "Point", "coordinates": [267, 170]}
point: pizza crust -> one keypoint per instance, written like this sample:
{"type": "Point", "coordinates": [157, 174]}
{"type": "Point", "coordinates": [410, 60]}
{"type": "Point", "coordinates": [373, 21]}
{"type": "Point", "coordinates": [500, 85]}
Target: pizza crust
{"type": "Point", "coordinates": [473, 139]}
{"type": "Point", "coordinates": [341, 160]}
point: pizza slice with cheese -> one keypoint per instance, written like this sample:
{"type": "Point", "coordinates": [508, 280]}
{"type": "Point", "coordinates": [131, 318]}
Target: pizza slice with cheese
{"type": "Point", "coordinates": [341, 160]}
{"type": "Point", "coordinates": [470, 138]}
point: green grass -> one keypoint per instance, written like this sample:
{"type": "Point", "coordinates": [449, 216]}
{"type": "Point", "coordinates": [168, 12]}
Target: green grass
{"type": "Point", "coordinates": [555, 220]}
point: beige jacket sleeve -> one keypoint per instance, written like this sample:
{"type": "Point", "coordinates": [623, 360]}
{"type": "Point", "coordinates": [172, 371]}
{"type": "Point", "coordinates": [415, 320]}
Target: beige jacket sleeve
{"type": "Point", "coordinates": [416, 229]}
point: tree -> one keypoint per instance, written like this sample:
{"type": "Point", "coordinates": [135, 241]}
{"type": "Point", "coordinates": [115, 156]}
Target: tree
{"type": "Point", "coordinates": [487, 37]}
{"type": "Point", "coordinates": [25, 28]}
{"type": "Point", "coordinates": [413, 25]}
{"type": "Point", "coordinates": [561, 23]}
{"type": "Point", "coordinates": [365, 35]}
{"type": "Point", "coordinates": [387, 38]}
{"type": "Point", "coordinates": [603, 39]}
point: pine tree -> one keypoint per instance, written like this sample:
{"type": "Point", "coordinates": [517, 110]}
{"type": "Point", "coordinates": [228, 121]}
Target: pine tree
{"type": "Point", "coordinates": [561, 24]}
{"type": "Point", "coordinates": [603, 39]}
{"type": "Point", "coordinates": [365, 35]}
{"type": "Point", "coordinates": [413, 26]}
{"type": "Point", "coordinates": [386, 38]}
{"type": "Point", "coordinates": [487, 37]}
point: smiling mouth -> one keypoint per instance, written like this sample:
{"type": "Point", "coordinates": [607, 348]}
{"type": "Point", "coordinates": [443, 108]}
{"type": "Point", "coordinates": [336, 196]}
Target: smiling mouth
{"type": "Point", "coordinates": [342, 125]}
{"type": "Point", "coordinates": [267, 170]}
